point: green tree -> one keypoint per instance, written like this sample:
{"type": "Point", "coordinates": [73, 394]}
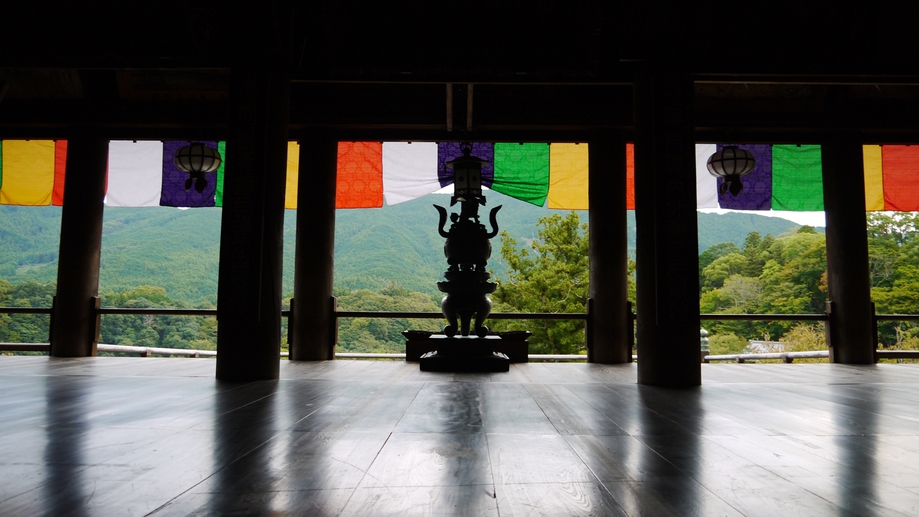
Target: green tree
{"type": "Point", "coordinates": [164, 331]}
{"type": "Point", "coordinates": [726, 343]}
{"type": "Point", "coordinates": [753, 255]}
{"type": "Point", "coordinates": [25, 328]}
{"type": "Point", "coordinates": [714, 252]}
{"type": "Point", "coordinates": [382, 335]}
{"type": "Point", "coordinates": [549, 275]}
{"type": "Point", "coordinates": [893, 258]}
{"type": "Point", "coordinates": [715, 274]}
{"type": "Point", "coordinates": [795, 281]}
{"type": "Point", "coordinates": [785, 275]}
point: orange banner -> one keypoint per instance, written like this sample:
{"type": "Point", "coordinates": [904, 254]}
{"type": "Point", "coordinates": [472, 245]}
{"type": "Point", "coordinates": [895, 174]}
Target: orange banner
{"type": "Point", "coordinates": [60, 170]}
{"type": "Point", "coordinates": [360, 175]}
{"type": "Point", "coordinates": [630, 176]}
{"type": "Point", "coordinates": [901, 168]}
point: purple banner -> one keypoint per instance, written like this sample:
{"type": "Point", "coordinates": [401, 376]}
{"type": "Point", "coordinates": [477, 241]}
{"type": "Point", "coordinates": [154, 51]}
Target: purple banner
{"type": "Point", "coordinates": [448, 151]}
{"type": "Point", "coordinates": [757, 186]}
{"type": "Point", "coordinates": [174, 193]}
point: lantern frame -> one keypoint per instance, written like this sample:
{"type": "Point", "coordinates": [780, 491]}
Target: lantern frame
{"type": "Point", "coordinates": [731, 163]}
{"type": "Point", "coordinates": [196, 160]}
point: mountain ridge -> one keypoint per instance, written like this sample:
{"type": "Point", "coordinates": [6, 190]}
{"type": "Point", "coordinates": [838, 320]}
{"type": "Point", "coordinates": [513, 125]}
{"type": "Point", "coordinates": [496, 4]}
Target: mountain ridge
{"type": "Point", "coordinates": [179, 249]}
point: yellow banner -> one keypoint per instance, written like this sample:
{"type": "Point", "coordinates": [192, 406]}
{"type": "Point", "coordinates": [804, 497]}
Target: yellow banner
{"type": "Point", "coordinates": [874, 178]}
{"type": "Point", "coordinates": [568, 172]}
{"type": "Point", "coordinates": [28, 172]}
{"type": "Point", "coordinates": [293, 175]}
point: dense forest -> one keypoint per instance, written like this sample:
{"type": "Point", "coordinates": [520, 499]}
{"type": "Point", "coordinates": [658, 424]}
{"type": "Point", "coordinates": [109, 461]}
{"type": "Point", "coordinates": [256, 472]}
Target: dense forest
{"type": "Point", "coordinates": [389, 259]}
{"type": "Point", "coordinates": [787, 275]}
{"type": "Point", "coordinates": [178, 250]}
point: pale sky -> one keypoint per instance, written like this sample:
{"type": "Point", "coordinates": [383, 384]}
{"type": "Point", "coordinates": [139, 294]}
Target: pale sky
{"type": "Point", "coordinates": [803, 218]}
{"type": "Point", "coordinates": [816, 219]}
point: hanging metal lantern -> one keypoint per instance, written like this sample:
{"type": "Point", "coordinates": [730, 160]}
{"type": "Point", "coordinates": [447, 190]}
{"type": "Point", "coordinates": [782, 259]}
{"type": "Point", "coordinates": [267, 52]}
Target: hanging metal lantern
{"type": "Point", "coordinates": [196, 160]}
{"type": "Point", "coordinates": [467, 176]}
{"type": "Point", "coordinates": [731, 163]}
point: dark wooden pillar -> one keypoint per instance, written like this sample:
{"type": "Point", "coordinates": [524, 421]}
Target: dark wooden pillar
{"type": "Point", "coordinates": [252, 224]}
{"type": "Point", "coordinates": [314, 328]}
{"type": "Point", "coordinates": [850, 326]}
{"type": "Point", "coordinates": [667, 250]}
{"type": "Point", "coordinates": [73, 323]}
{"type": "Point", "coordinates": [608, 332]}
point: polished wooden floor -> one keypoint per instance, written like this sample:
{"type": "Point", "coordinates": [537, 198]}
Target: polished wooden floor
{"type": "Point", "coordinates": [143, 436]}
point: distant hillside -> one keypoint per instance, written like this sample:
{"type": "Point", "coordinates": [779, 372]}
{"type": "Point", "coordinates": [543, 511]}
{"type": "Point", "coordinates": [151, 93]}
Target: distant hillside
{"type": "Point", "coordinates": [179, 249]}
{"type": "Point", "coordinates": [735, 226]}
{"type": "Point", "coordinates": [29, 238]}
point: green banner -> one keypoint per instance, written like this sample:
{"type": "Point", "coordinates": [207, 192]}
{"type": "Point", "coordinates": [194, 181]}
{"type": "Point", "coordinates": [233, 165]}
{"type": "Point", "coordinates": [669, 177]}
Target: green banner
{"type": "Point", "coordinates": [522, 171]}
{"type": "Point", "coordinates": [218, 194]}
{"type": "Point", "coordinates": [797, 178]}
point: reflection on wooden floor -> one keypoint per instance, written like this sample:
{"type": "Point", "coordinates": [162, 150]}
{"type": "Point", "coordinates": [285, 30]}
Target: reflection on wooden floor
{"type": "Point", "coordinates": [132, 436]}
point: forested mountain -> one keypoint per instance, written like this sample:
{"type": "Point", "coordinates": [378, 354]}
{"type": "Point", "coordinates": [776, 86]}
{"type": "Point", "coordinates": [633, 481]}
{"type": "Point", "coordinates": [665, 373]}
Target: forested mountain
{"type": "Point", "coordinates": [179, 249]}
{"type": "Point", "coordinates": [29, 238]}
{"type": "Point", "coordinates": [390, 259]}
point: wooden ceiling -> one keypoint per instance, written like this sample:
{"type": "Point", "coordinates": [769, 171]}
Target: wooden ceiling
{"type": "Point", "coordinates": [764, 71]}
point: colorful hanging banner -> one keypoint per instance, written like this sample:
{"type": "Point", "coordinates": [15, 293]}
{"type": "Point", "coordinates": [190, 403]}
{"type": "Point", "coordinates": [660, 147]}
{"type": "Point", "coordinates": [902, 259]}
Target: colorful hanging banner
{"type": "Point", "coordinates": [522, 171]}
{"type": "Point", "coordinates": [410, 170]}
{"type": "Point", "coordinates": [293, 175]}
{"type": "Point", "coordinates": [135, 173]}
{"type": "Point", "coordinates": [360, 175]}
{"type": "Point", "coordinates": [901, 171]}
{"type": "Point", "coordinates": [874, 178]}
{"type": "Point", "coordinates": [630, 176]}
{"type": "Point", "coordinates": [568, 176]}
{"type": "Point", "coordinates": [60, 172]}
{"type": "Point", "coordinates": [706, 184]}
{"type": "Point", "coordinates": [789, 176]}
{"type": "Point", "coordinates": [218, 191]}
{"type": "Point", "coordinates": [28, 172]}
{"type": "Point", "coordinates": [173, 191]}
{"type": "Point", "coordinates": [797, 178]}
{"type": "Point", "coordinates": [449, 151]}
{"type": "Point", "coordinates": [757, 186]}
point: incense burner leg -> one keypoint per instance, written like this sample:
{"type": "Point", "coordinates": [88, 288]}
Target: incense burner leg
{"type": "Point", "coordinates": [481, 313]}
{"type": "Point", "coordinates": [448, 307]}
{"type": "Point", "coordinates": [465, 316]}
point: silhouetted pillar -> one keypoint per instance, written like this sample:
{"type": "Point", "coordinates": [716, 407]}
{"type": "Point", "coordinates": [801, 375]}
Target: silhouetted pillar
{"type": "Point", "coordinates": [667, 249]}
{"type": "Point", "coordinates": [850, 326]}
{"type": "Point", "coordinates": [608, 331]}
{"type": "Point", "coordinates": [73, 323]}
{"type": "Point", "coordinates": [314, 330]}
{"type": "Point", "coordinates": [252, 224]}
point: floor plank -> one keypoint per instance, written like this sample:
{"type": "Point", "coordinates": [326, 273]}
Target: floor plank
{"type": "Point", "coordinates": [156, 436]}
{"type": "Point", "coordinates": [529, 458]}
{"type": "Point", "coordinates": [553, 499]}
{"type": "Point", "coordinates": [431, 459]}
{"type": "Point", "coordinates": [423, 501]}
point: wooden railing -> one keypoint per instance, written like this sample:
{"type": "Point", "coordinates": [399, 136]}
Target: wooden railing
{"type": "Point", "coordinates": [148, 351]}
{"type": "Point", "coordinates": [438, 315]}
{"type": "Point", "coordinates": [763, 317]}
{"type": "Point", "coordinates": [787, 357]}
{"type": "Point", "coordinates": [25, 310]}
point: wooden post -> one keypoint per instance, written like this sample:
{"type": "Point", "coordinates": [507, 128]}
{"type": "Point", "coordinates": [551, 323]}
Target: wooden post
{"type": "Point", "coordinates": [608, 319]}
{"type": "Point", "coordinates": [850, 327]}
{"type": "Point", "coordinates": [314, 328]}
{"type": "Point", "coordinates": [252, 224]}
{"type": "Point", "coordinates": [73, 321]}
{"type": "Point", "coordinates": [667, 248]}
